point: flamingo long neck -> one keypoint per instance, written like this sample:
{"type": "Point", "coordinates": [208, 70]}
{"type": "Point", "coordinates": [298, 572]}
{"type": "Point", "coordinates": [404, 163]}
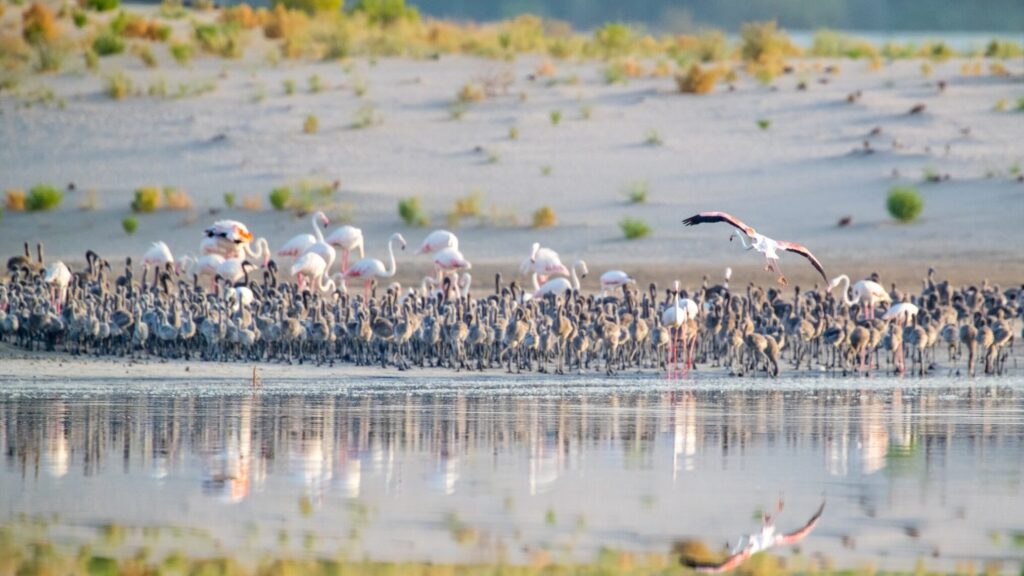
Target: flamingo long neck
{"type": "Point", "coordinates": [316, 229]}
{"type": "Point", "coordinates": [262, 251]}
{"type": "Point", "coordinates": [467, 281]}
{"type": "Point", "coordinates": [392, 267]}
{"type": "Point", "coordinates": [536, 286]}
{"type": "Point", "coordinates": [325, 284]}
{"type": "Point", "coordinates": [575, 279]}
{"type": "Point", "coordinates": [845, 280]}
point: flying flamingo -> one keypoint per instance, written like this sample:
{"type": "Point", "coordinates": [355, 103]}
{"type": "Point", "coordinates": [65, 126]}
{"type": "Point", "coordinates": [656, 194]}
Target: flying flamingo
{"type": "Point", "coordinates": [544, 262]}
{"type": "Point", "coordinates": [58, 275]}
{"type": "Point", "coordinates": [369, 268]}
{"type": "Point", "coordinates": [763, 244]}
{"type": "Point", "coordinates": [753, 543]}
{"type": "Point", "coordinates": [866, 292]}
{"type": "Point", "coordinates": [560, 286]}
{"type": "Point", "coordinates": [450, 260]}
{"type": "Point", "coordinates": [158, 256]}
{"type": "Point", "coordinates": [313, 268]}
{"type": "Point", "coordinates": [613, 279]}
{"type": "Point", "coordinates": [346, 238]}
{"type": "Point", "coordinates": [438, 240]}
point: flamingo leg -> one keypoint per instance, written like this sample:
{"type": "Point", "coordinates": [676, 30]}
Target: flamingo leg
{"type": "Point", "coordinates": [344, 260]}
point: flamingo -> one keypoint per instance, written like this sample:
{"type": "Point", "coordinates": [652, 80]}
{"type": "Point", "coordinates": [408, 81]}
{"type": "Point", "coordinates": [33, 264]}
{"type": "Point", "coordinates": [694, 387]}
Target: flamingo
{"type": "Point", "coordinates": [560, 286]}
{"type": "Point", "coordinates": [675, 317]}
{"type": "Point", "coordinates": [233, 269]}
{"type": "Point", "coordinates": [58, 275]}
{"type": "Point", "coordinates": [544, 262]}
{"type": "Point", "coordinates": [205, 265]}
{"type": "Point", "coordinates": [299, 243]}
{"type": "Point", "coordinates": [369, 268]}
{"type": "Point", "coordinates": [313, 268]}
{"type": "Point", "coordinates": [902, 312]}
{"type": "Point", "coordinates": [866, 292]}
{"type": "Point", "coordinates": [438, 240]}
{"type": "Point", "coordinates": [231, 230]}
{"type": "Point", "coordinates": [347, 238]}
{"type": "Point", "coordinates": [158, 256]}
{"type": "Point", "coordinates": [763, 244]}
{"type": "Point", "coordinates": [450, 260]}
{"type": "Point", "coordinates": [613, 279]}
{"type": "Point", "coordinates": [754, 543]}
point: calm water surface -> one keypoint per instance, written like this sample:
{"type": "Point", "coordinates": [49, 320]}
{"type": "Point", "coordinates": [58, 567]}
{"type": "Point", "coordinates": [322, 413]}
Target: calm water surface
{"type": "Point", "coordinates": [429, 470]}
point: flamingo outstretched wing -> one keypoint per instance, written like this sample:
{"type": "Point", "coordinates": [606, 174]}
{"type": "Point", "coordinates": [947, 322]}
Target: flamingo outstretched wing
{"type": "Point", "coordinates": [718, 567]}
{"type": "Point", "coordinates": [803, 251]}
{"type": "Point", "coordinates": [798, 535]}
{"type": "Point", "coordinates": [709, 217]}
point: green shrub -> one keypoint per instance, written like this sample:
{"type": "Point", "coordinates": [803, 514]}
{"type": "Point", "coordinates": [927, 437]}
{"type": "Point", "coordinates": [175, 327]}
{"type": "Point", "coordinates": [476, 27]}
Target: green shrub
{"type": "Point", "coordinates": [147, 57]}
{"type": "Point", "coordinates": [556, 117]}
{"type": "Point", "coordinates": [311, 125]}
{"type": "Point", "coordinates": [79, 18]}
{"type": "Point", "coordinates": [310, 6]}
{"type": "Point", "coordinates": [764, 123]}
{"type": "Point", "coordinates": [119, 86]}
{"type": "Point", "coordinates": [289, 86]}
{"type": "Point", "coordinates": [653, 138]}
{"type": "Point", "coordinates": [130, 224]}
{"type": "Point", "coordinates": [544, 217]}
{"type": "Point", "coordinates": [182, 52]}
{"type": "Point", "coordinates": [147, 199]}
{"type": "Point", "coordinates": [92, 60]}
{"type": "Point", "coordinates": [102, 5]}
{"type": "Point", "coordinates": [43, 197]}
{"type": "Point", "coordinates": [229, 199]}
{"type": "Point", "coordinates": [51, 57]}
{"type": "Point", "coordinates": [411, 212]}
{"type": "Point", "coordinates": [513, 133]}
{"type": "Point", "coordinates": [107, 44]}
{"type": "Point", "coordinates": [365, 116]}
{"type": "Point", "coordinates": [280, 197]}
{"type": "Point", "coordinates": [315, 84]}
{"type": "Point", "coordinates": [386, 12]}
{"type": "Point", "coordinates": [633, 228]}
{"type": "Point", "coordinates": [904, 203]}
{"type": "Point", "coordinates": [637, 191]}
{"type": "Point", "coordinates": [220, 39]}
{"type": "Point", "coordinates": [1003, 49]}
{"type": "Point", "coordinates": [613, 39]}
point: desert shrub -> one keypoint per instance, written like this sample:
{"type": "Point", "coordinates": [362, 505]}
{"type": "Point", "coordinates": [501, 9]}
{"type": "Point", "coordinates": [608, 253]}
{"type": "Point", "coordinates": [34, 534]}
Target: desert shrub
{"type": "Point", "coordinates": [119, 86]}
{"type": "Point", "coordinates": [92, 60]}
{"type": "Point", "coordinates": [158, 88]}
{"type": "Point", "coordinates": [653, 138]}
{"type": "Point", "coordinates": [42, 197]}
{"type": "Point", "coordinates": [79, 18]}
{"type": "Point", "coordinates": [14, 200]}
{"type": "Point", "coordinates": [469, 206]}
{"type": "Point", "coordinates": [108, 43]}
{"type": "Point", "coordinates": [229, 199]}
{"type": "Point", "coordinates": [636, 191]}
{"type": "Point", "coordinates": [832, 44]}
{"type": "Point", "coordinates": [556, 117]}
{"type": "Point", "coordinates": [289, 86]}
{"type": "Point", "coordinates": [939, 51]}
{"type": "Point", "coordinates": [365, 116]}
{"type": "Point", "coordinates": [764, 47]}
{"type": "Point", "coordinates": [147, 199]}
{"type": "Point", "coordinates": [544, 217]}
{"type": "Point", "coordinates": [633, 228]}
{"type": "Point", "coordinates": [707, 46]}
{"type": "Point", "coordinates": [386, 12]}
{"type": "Point", "coordinates": [50, 57]}
{"type": "Point", "coordinates": [280, 197]}
{"type": "Point", "coordinates": [310, 6]}
{"type": "Point", "coordinates": [147, 57]}
{"type": "Point", "coordinates": [615, 73]}
{"type": "Point", "coordinates": [998, 69]}
{"type": "Point", "coordinates": [471, 92]}
{"type": "Point", "coordinates": [102, 5]}
{"type": "Point", "coordinates": [1020, 104]}
{"type": "Point", "coordinates": [904, 203]}
{"type": "Point", "coordinates": [411, 212]}
{"type": "Point", "coordinates": [177, 199]}
{"type": "Point", "coordinates": [513, 133]}
{"type": "Point", "coordinates": [220, 39]}
{"type": "Point", "coordinates": [242, 15]}
{"type": "Point", "coordinates": [181, 52]}
{"type": "Point", "coordinates": [764, 123]}
{"type": "Point", "coordinates": [311, 125]}
{"type": "Point", "coordinates": [1003, 49]}
{"type": "Point", "coordinates": [315, 83]}
{"type": "Point", "coordinates": [613, 39]}
{"type": "Point", "coordinates": [130, 224]}
{"type": "Point", "coordinates": [252, 202]}
{"type": "Point", "coordinates": [39, 24]}
{"type": "Point", "coordinates": [698, 80]}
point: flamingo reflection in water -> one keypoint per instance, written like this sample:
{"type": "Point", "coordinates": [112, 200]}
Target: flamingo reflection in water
{"type": "Point", "coordinates": [751, 544]}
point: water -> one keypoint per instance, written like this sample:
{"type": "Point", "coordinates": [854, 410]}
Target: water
{"type": "Point", "coordinates": [431, 470]}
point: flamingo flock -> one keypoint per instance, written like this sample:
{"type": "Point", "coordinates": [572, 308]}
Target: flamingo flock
{"type": "Point", "coordinates": [231, 301]}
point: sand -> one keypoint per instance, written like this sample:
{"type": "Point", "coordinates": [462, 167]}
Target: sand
{"type": "Point", "coordinates": [793, 181]}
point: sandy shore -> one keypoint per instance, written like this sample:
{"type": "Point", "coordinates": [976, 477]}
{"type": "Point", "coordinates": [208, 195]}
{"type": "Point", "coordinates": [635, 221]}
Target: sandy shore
{"type": "Point", "coordinates": [794, 180]}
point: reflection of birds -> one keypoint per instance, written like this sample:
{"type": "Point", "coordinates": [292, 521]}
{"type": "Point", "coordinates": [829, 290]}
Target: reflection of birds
{"type": "Point", "coordinates": [763, 244]}
{"type": "Point", "coordinates": [753, 543]}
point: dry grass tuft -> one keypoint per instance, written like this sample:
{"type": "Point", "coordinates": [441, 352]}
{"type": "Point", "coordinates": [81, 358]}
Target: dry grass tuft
{"type": "Point", "coordinates": [39, 25]}
{"type": "Point", "coordinates": [544, 217]}
{"type": "Point", "coordinates": [698, 80]}
{"type": "Point", "coordinates": [469, 206]}
{"type": "Point", "coordinates": [14, 200]}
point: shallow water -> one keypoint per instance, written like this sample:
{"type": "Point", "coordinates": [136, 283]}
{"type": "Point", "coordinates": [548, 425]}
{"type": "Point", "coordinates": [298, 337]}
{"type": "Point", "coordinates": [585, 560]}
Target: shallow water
{"type": "Point", "coordinates": [428, 469]}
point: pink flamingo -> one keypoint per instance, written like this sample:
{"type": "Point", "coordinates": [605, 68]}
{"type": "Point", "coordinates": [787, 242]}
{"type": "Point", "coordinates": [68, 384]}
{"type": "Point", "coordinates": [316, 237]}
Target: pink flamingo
{"type": "Point", "coordinates": [544, 262]}
{"type": "Point", "coordinates": [367, 269]}
{"type": "Point", "coordinates": [865, 292]}
{"type": "Point", "coordinates": [346, 238]}
{"type": "Point", "coordinates": [614, 279]}
{"type": "Point", "coordinates": [313, 268]}
{"type": "Point", "coordinates": [438, 240]}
